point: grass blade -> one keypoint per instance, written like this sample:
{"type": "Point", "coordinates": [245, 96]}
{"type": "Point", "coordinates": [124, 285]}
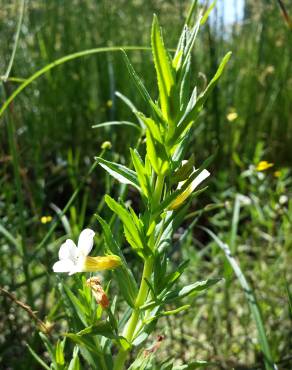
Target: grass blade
{"type": "Point", "coordinates": [254, 307]}
{"type": "Point", "coordinates": [63, 60]}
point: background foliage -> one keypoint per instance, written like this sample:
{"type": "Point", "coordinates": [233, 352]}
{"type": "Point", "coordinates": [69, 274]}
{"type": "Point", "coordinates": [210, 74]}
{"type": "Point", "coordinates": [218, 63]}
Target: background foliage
{"type": "Point", "coordinates": [48, 156]}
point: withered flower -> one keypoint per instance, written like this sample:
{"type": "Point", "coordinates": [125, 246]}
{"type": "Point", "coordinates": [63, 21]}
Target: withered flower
{"type": "Point", "coordinates": [98, 292]}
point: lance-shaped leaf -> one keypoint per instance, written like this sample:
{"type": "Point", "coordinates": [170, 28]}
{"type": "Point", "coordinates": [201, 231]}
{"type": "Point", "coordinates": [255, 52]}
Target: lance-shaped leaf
{"type": "Point", "coordinates": [132, 107]}
{"type": "Point", "coordinates": [141, 88]}
{"type": "Point", "coordinates": [141, 172]}
{"type": "Point", "coordinates": [119, 172]}
{"type": "Point", "coordinates": [164, 69]}
{"type": "Point", "coordinates": [75, 363]}
{"type": "Point", "coordinates": [157, 154]}
{"type": "Point", "coordinates": [152, 126]}
{"type": "Point", "coordinates": [100, 328]}
{"type": "Point", "coordinates": [207, 13]}
{"type": "Point", "coordinates": [117, 123]}
{"type": "Point", "coordinates": [75, 306]}
{"type": "Point", "coordinates": [190, 116]}
{"type": "Point", "coordinates": [190, 41]}
{"type": "Point", "coordinates": [132, 232]}
{"type": "Point", "coordinates": [189, 290]}
{"type": "Point", "coordinates": [151, 152]}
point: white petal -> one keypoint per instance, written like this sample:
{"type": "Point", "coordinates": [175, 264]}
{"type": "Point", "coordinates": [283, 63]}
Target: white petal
{"type": "Point", "coordinates": [65, 265]}
{"type": "Point", "coordinates": [200, 178]}
{"type": "Point", "coordinates": [68, 250]}
{"type": "Point", "coordinates": [85, 242]}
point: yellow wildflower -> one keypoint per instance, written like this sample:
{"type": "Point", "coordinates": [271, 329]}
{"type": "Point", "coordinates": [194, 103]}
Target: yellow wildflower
{"type": "Point", "coordinates": [277, 173]}
{"type": "Point", "coordinates": [264, 165]}
{"type": "Point", "coordinates": [109, 103]}
{"type": "Point", "coordinates": [46, 219]}
{"type": "Point", "coordinates": [231, 116]}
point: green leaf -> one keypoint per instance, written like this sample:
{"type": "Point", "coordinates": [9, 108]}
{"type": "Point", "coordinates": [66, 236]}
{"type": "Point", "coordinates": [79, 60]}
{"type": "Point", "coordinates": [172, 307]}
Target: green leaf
{"type": "Point", "coordinates": [60, 360]}
{"type": "Point", "coordinates": [207, 13]}
{"type": "Point", "coordinates": [132, 232]}
{"type": "Point", "coordinates": [156, 154]}
{"type": "Point", "coordinates": [119, 172]}
{"type": "Point", "coordinates": [199, 286]}
{"type": "Point", "coordinates": [38, 358]}
{"type": "Point", "coordinates": [185, 87]}
{"type": "Point", "coordinates": [117, 123]}
{"type": "Point", "coordinates": [151, 152]}
{"type": "Point", "coordinates": [74, 363]}
{"type": "Point", "coordinates": [190, 116]}
{"type": "Point", "coordinates": [164, 70]}
{"type": "Point", "coordinates": [100, 328]}
{"type": "Point", "coordinates": [48, 346]}
{"type": "Point", "coordinates": [134, 110]}
{"type": "Point", "coordinates": [152, 126]}
{"type": "Point", "coordinates": [83, 342]}
{"type": "Point", "coordinates": [175, 311]}
{"type": "Point", "coordinates": [141, 172]}
{"type": "Point", "coordinates": [75, 304]}
{"type": "Point", "coordinates": [141, 88]}
{"type": "Point", "coordinates": [190, 42]}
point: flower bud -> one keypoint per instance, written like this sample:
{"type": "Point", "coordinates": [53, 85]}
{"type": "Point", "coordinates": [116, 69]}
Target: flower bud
{"type": "Point", "coordinates": [106, 145]}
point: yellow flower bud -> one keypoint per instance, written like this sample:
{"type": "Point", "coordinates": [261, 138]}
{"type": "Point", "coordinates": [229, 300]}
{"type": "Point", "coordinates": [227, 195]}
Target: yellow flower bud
{"type": "Point", "coordinates": [106, 145]}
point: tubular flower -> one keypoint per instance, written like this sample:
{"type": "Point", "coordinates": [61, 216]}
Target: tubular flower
{"type": "Point", "coordinates": [184, 195]}
{"type": "Point", "coordinates": [74, 259]}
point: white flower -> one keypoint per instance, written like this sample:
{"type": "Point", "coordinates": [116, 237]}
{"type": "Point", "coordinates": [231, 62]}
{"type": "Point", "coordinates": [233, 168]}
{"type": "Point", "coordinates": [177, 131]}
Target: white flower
{"type": "Point", "coordinates": [74, 259]}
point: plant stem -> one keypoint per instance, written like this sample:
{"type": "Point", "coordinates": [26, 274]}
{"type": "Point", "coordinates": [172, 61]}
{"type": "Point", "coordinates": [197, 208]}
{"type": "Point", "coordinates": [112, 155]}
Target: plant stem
{"type": "Point", "coordinates": [131, 325]}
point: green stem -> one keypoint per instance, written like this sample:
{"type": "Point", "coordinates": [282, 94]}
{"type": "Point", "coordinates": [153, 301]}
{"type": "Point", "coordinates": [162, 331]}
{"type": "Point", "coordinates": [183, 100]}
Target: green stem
{"type": "Point", "coordinates": [158, 190]}
{"type": "Point", "coordinates": [130, 328]}
{"type": "Point", "coordinates": [131, 325]}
